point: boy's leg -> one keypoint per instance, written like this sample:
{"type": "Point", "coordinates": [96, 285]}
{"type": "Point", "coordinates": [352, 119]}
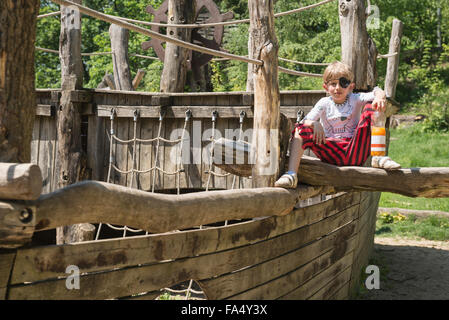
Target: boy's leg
{"type": "Point", "coordinates": [360, 146]}
{"type": "Point", "coordinates": [290, 178]}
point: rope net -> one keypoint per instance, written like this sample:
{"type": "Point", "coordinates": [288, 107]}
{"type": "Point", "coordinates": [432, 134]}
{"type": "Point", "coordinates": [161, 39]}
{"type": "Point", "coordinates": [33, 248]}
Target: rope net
{"type": "Point", "coordinates": [187, 290]}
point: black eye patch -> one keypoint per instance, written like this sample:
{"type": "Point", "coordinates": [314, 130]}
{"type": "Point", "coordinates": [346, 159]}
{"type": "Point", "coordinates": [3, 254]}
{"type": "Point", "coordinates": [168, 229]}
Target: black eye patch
{"type": "Point", "coordinates": [344, 83]}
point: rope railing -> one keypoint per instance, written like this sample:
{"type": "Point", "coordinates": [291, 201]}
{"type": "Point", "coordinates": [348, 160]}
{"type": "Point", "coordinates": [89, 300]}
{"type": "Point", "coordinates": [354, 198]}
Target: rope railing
{"type": "Point", "coordinates": [153, 34]}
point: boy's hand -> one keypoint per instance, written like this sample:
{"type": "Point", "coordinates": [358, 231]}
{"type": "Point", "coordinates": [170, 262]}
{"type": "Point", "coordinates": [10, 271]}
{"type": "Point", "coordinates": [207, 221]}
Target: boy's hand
{"type": "Point", "coordinates": [380, 101]}
{"type": "Point", "coordinates": [318, 133]}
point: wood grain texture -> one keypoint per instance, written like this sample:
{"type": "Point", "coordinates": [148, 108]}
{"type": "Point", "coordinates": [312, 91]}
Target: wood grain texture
{"type": "Point", "coordinates": [45, 262]}
{"type": "Point", "coordinates": [20, 181]}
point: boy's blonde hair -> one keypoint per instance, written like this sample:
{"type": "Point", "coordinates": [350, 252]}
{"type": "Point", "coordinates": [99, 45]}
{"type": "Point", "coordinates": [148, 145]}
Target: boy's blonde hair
{"type": "Point", "coordinates": [336, 70]}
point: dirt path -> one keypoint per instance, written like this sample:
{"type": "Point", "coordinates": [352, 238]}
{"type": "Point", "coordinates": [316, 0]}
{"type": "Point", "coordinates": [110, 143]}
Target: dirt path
{"type": "Point", "coordinates": [410, 269]}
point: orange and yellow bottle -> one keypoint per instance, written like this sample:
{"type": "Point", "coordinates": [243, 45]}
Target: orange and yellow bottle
{"type": "Point", "coordinates": [378, 134]}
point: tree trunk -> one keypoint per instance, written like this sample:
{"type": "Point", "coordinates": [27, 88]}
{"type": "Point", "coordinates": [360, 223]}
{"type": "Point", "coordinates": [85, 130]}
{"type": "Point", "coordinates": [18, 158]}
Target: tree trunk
{"type": "Point", "coordinates": [251, 67]}
{"type": "Point", "coordinates": [391, 78]}
{"type": "Point", "coordinates": [177, 59]}
{"type": "Point", "coordinates": [71, 156]}
{"type": "Point", "coordinates": [17, 87]}
{"type": "Point", "coordinates": [119, 46]}
{"type": "Point", "coordinates": [265, 142]}
{"type": "Point", "coordinates": [354, 40]}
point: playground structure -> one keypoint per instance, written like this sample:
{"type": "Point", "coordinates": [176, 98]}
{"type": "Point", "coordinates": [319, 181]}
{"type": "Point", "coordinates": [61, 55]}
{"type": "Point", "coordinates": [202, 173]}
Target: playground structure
{"type": "Point", "coordinates": [187, 219]}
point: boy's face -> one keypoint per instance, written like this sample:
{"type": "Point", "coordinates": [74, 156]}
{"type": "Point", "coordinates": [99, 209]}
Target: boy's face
{"type": "Point", "coordinates": [339, 89]}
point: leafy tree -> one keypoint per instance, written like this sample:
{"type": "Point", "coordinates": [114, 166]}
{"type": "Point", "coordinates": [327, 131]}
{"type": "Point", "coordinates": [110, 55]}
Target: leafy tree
{"type": "Point", "coordinates": [311, 36]}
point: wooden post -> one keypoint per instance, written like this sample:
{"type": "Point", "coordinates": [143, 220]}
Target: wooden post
{"type": "Point", "coordinates": [391, 77]}
{"type": "Point", "coordinates": [71, 157]}
{"type": "Point", "coordinates": [119, 46]}
{"type": "Point", "coordinates": [251, 67]}
{"type": "Point", "coordinates": [265, 142]}
{"type": "Point", "coordinates": [354, 39]}
{"type": "Point", "coordinates": [17, 89]}
{"type": "Point", "coordinates": [176, 61]}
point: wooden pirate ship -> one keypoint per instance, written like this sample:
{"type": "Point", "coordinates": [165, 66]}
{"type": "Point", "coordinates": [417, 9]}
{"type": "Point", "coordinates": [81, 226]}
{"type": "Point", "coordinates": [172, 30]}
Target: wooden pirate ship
{"type": "Point", "coordinates": [163, 210]}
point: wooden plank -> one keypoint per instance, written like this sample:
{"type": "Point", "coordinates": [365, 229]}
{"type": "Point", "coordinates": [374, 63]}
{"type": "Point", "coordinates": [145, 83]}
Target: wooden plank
{"type": "Point", "coordinates": [299, 283]}
{"type": "Point", "coordinates": [313, 285]}
{"type": "Point", "coordinates": [333, 286]}
{"type": "Point", "coordinates": [122, 150]}
{"type": "Point", "coordinates": [198, 111]}
{"type": "Point", "coordinates": [195, 166]}
{"type": "Point", "coordinates": [146, 153]}
{"type": "Point", "coordinates": [95, 147]}
{"type": "Point", "coordinates": [45, 262]}
{"type": "Point", "coordinates": [47, 152]}
{"type": "Point", "coordinates": [7, 258]}
{"type": "Point", "coordinates": [171, 154]}
{"type": "Point", "coordinates": [35, 140]}
{"type": "Point", "coordinates": [332, 247]}
{"type": "Point", "coordinates": [151, 277]}
{"type": "Point", "coordinates": [44, 110]}
{"type": "Point", "coordinates": [342, 293]}
{"type": "Point", "coordinates": [158, 156]}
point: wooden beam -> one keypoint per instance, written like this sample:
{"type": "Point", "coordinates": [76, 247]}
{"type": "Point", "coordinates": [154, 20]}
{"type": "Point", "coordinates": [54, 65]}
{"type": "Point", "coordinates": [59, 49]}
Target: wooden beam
{"type": "Point", "coordinates": [391, 78]}
{"type": "Point", "coordinates": [176, 61]}
{"type": "Point", "coordinates": [95, 202]}
{"type": "Point", "coordinates": [265, 142]}
{"type": "Point", "coordinates": [17, 222]}
{"type": "Point", "coordinates": [20, 181]}
{"type": "Point", "coordinates": [71, 156]}
{"type": "Point", "coordinates": [120, 60]}
{"type": "Point", "coordinates": [412, 182]}
{"type": "Point", "coordinates": [354, 40]}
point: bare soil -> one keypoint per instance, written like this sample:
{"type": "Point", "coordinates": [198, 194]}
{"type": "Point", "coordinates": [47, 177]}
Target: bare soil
{"type": "Point", "coordinates": [410, 269]}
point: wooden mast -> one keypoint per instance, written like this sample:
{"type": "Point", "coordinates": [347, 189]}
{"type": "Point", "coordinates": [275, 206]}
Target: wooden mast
{"type": "Point", "coordinates": [70, 154]}
{"type": "Point", "coordinates": [176, 61]}
{"type": "Point", "coordinates": [354, 40]}
{"type": "Point", "coordinates": [265, 152]}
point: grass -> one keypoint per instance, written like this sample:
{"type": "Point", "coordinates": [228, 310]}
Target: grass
{"type": "Point", "coordinates": [397, 225]}
{"type": "Point", "coordinates": [413, 148]}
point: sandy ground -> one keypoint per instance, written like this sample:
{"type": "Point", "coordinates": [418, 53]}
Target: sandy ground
{"type": "Point", "coordinates": [410, 269]}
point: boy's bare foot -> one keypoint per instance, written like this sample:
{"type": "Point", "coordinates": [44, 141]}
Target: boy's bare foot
{"type": "Point", "coordinates": [384, 163]}
{"type": "Point", "coordinates": [288, 181]}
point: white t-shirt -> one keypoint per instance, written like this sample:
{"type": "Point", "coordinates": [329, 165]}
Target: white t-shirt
{"type": "Point", "coordinates": [340, 120]}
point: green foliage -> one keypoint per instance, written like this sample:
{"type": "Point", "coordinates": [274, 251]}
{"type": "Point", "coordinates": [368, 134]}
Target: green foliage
{"type": "Point", "coordinates": [311, 36]}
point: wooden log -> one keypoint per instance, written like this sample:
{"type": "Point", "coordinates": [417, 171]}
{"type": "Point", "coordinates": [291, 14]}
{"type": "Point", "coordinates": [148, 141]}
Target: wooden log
{"type": "Point", "coordinates": [354, 40]}
{"type": "Point", "coordinates": [391, 78]}
{"type": "Point", "coordinates": [265, 142]}
{"type": "Point", "coordinates": [96, 202]}
{"type": "Point", "coordinates": [120, 60]}
{"type": "Point", "coordinates": [176, 58]}
{"type": "Point", "coordinates": [72, 160]}
{"type": "Point", "coordinates": [17, 222]}
{"type": "Point", "coordinates": [20, 181]}
{"type": "Point", "coordinates": [412, 182]}
{"type": "Point", "coordinates": [17, 79]}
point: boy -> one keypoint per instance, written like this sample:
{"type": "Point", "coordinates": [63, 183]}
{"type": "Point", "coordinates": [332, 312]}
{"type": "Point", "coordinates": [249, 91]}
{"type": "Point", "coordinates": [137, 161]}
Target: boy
{"type": "Point", "coordinates": [336, 129]}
